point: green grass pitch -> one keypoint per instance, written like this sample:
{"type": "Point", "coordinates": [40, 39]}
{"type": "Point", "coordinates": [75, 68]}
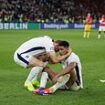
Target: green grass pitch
{"type": "Point", "coordinates": [91, 52]}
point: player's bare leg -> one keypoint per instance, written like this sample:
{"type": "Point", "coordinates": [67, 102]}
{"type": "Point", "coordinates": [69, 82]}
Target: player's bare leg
{"type": "Point", "coordinates": [99, 34]}
{"type": "Point", "coordinates": [88, 34]}
{"type": "Point", "coordinates": [85, 33]}
{"type": "Point", "coordinates": [35, 62]}
{"type": "Point", "coordinates": [50, 72]}
{"type": "Point", "coordinates": [47, 72]}
{"type": "Point", "coordinates": [72, 79]}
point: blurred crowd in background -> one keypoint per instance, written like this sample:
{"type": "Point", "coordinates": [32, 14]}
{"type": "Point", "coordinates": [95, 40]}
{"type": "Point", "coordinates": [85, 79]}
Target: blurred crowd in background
{"type": "Point", "coordinates": [46, 11]}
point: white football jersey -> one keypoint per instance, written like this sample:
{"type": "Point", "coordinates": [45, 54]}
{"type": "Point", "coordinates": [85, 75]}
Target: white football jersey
{"type": "Point", "coordinates": [36, 46]}
{"type": "Point", "coordinates": [74, 58]}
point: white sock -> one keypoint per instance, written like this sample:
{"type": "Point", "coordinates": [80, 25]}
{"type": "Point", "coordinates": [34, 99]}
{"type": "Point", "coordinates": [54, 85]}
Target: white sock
{"type": "Point", "coordinates": [44, 79]}
{"type": "Point", "coordinates": [33, 74]}
{"type": "Point", "coordinates": [99, 36]}
{"type": "Point", "coordinates": [61, 81]}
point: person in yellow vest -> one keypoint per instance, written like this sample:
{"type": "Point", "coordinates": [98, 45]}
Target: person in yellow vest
{"type": "Point", "coordinates": [87, 27]}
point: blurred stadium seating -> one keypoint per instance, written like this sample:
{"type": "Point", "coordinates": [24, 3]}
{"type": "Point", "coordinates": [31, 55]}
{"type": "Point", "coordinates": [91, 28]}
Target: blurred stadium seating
{"type": "Point", "coordinates": [45, 11]}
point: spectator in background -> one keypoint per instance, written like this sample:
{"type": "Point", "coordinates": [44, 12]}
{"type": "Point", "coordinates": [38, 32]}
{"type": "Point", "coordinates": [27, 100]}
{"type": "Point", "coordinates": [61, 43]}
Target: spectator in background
{"type": "Point", "coordinates": [42, 11]}
{"type": "Point", "coordinates": [87, 27]}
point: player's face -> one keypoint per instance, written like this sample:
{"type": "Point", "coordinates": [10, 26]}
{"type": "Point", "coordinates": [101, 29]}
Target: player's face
{"type": "Point", "coordinates": [56, 48]}
{"type": "Point", "coordinates": [88, 14]}
{"type": "Point", "coordinates": [63, 50]}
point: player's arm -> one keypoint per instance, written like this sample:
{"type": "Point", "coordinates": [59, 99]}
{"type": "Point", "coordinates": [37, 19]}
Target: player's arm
{"type": "Point", "coordinates": [56, 59]}
{"type": "Point", "coordinates": [52, 55]}
{"type": "Point", "coordinates": [67, 70]}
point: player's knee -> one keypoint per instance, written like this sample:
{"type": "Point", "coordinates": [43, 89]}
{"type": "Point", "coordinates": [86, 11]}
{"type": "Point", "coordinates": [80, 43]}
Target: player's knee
{"type": "Point", "coordinates": [64, 78]}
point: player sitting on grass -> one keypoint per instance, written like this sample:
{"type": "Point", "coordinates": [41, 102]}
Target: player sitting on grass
{"type": "Point", "coordinates": [70, 77]}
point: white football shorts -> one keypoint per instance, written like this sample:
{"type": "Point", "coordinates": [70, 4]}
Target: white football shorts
{"type": "Point", "coordinates": [101, 28]}
{"type": "Point", "coordinates": [22, 59]}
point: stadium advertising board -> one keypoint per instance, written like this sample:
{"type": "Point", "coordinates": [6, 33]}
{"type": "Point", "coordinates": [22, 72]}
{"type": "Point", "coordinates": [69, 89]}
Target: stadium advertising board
{"type": "Point", "coordinates": [54, 26]}
{"type": "Point", "coordinates": [19, 26]}
{"type": "Point", "coordinates": [26, 26]}
{"type": "Point", "coordinates": [66, 26]}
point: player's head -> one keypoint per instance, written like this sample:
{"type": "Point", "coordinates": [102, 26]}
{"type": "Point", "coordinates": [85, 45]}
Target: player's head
{"type": "Point", "coordinates": [88, 14]}
{"type": "Point", "coordinates": [56, 45]}
{"type": "Point", "coordinates": [63, 47]}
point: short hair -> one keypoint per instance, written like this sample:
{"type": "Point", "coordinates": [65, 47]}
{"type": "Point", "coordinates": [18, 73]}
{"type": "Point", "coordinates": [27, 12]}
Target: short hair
{"type": "Point", "coordinates": [62, 43]}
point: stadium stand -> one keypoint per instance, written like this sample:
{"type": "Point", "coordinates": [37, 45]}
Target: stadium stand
{"type": "Point", "coordinates": [67, 11]}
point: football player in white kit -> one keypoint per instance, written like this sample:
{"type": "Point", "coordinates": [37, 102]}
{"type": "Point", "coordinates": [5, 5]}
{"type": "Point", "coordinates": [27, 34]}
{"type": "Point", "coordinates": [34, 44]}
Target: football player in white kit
{"type": "Point", "coordinates": [70, 77]}
{"type": "Point", "coordinates": [27, 56]}
{"type": "Point", "coordinates": [101, 26]}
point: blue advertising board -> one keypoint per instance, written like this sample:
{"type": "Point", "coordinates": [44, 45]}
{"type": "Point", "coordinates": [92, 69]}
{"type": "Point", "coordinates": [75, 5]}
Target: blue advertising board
{"type": "Point", "coordinates": [65, 26]}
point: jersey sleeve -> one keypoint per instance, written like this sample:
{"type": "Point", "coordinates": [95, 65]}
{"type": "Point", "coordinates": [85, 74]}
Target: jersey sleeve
{"type": "Point", "coordinates": [49, 45]}
{"type": "Point", "coordinates": [72, 59]}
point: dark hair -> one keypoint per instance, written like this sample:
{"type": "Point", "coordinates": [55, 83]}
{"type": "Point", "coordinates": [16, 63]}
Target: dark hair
{"type": "Point", "coordinates": [62, 43]}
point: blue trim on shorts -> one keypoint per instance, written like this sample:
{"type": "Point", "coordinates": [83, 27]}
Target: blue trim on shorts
{"type": "Point", "coordinates": [78, 75]}
{"type": "Point", "coordinates": [22, 59]}
{"type": "Point", "coordinates": [33, 49]}
{"type": "Point", "coordinates": [29, 50]}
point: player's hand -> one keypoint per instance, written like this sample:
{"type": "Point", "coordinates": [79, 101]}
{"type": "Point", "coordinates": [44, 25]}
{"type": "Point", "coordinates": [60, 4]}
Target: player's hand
{"type": "Point", "coordinates": [54, 80]}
